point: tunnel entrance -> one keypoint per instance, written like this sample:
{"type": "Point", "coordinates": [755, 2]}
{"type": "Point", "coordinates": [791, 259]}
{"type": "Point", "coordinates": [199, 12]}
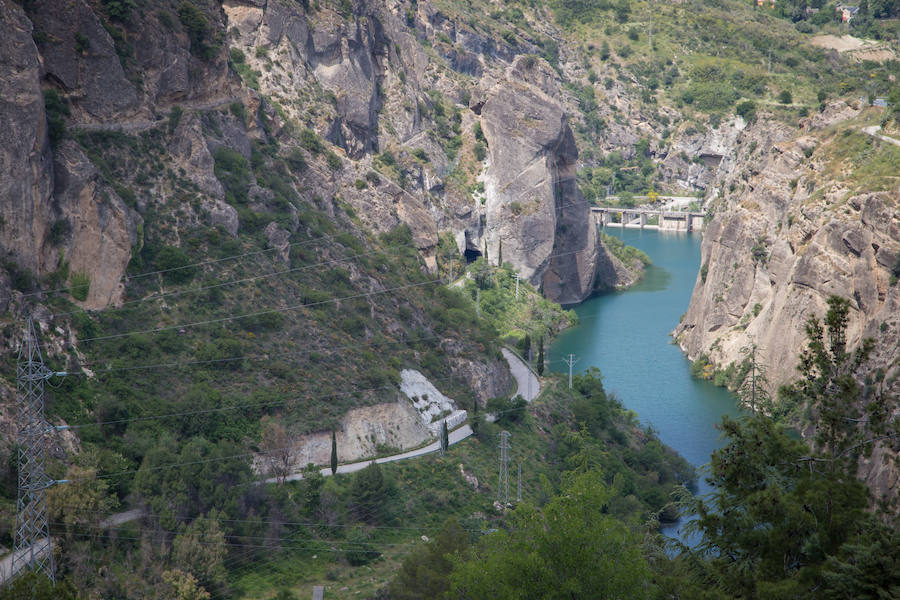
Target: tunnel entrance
{"type": "Point", "coordinates": [471, 255]}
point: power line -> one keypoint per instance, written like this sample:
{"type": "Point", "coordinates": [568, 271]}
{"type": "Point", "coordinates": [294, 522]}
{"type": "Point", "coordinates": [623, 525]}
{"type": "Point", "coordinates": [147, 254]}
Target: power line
{"type": "Point", "coordinates": [243, 406]}
{"type": "Point", "coordinates": [194, 265]}
{"type": "Point", "coordinates": [263, 356]}
{"type": "Point", "coordinates": [295, 546]}
{"type": "Point", "coordinates": [238, 281]}
{"type": "Point", "coordinates": [258, 313]}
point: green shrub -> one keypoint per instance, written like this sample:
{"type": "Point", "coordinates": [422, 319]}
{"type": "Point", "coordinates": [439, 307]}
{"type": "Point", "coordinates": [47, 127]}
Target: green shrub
{"type": "Point", "coordinates": [785, 97]}
{"type": "Point", "coordinates": [59, 231]}
{"type": "Point", "coordinates": [166, 19]}
{"type": "Point", "coordinates": [79, 285]}
{"type": "Point", "coordinates": [334, 161]}
{"type": "Point", "coordinates": [759, 252]}
{"type": "Point", "coordinates": [233, 170]}
{"type": "Point", "coordinates": [175, 264]}
{"type": "Point", "coordinates": [119, 10]}
{"type": "Point", "coordinates": [198, 29]}
{"type": "Point", "coordinates": [57, 108]}
{"type": "Point", "coordinates": [238, 110]}
{"type": "Point", "coordinates": [310, 141]}
{"type": "Point", "coordinates": [82, 43]}
{"type": "Point", "coordinates": [175, 118]}
{"type": "Point", "coordinates": [387, 158]}
{"type": "Point", "coordinates": [711, 95]}
{"type": "Point", "coordinates": [746, 109]}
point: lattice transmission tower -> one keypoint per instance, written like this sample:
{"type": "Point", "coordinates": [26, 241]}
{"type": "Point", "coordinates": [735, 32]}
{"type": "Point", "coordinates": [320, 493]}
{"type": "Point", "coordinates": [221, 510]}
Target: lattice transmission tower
{"type": "Point", "coordinates": [32, 546]}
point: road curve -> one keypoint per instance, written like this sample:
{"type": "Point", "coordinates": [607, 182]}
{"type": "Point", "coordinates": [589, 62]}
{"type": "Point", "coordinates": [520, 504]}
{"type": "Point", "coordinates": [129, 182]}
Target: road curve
{"type": "Point", "coordinates": [520, 371]}
{"type": "Point", "coordinates": [527, 382]}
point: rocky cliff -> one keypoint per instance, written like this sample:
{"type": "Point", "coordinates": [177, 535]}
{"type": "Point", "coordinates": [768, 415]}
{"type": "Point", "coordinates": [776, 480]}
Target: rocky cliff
{"type": "Point", "coordinates": [388, 86]}
{"type": "Point", "coordinates": [533, 206]}
{"type": "Point", "coordinates": [801, 217]}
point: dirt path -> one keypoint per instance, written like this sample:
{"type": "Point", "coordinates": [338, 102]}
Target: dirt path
{"type": "Point", "coordinates": [41, 548]}
{"type": "Point", "coordinates": [873, 131]}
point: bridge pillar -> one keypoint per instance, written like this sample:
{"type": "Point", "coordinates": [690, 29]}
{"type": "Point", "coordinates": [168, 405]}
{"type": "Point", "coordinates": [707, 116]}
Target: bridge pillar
{"type": "Point", "coordinates": [643, 219]}
{"type": "Point", "coordinates": [690, 222]}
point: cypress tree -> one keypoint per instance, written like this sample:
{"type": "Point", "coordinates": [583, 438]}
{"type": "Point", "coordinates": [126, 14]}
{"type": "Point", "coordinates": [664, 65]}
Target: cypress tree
{"type": "Point", "coordinates": [500, 255]}
{"type": "Point", "coordinates": [334, 462]}
{"type": "Point", "coordinates": [526, 346]}
{"type": "Point", "coordinates": [540, 363]}
{"type": "Point", "coordinates": [445, 437]}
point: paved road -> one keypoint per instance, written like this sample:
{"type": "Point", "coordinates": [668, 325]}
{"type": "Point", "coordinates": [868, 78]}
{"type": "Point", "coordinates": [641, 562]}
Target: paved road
{"type": "Point", "coordinates": [457, 435]}
{"type": "Point", "coordinates": [527, 384]}
{"type": "Point", "coordinates": [42, 546]}
{"type": "Point", "coordinates": [520, 371]}
{"type": "Point", "coordinates": [873, 131]}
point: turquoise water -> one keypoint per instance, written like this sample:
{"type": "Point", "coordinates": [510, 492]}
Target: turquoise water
{"type": "Point", "coordinates": [626, 335]}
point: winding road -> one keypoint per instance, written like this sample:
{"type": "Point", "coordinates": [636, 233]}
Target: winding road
{"type": "Point", "coordinates": [527, 385]}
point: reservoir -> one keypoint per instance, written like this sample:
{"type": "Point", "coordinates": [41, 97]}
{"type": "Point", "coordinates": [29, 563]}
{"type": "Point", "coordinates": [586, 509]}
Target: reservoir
{"type": "Point", "coordinates": [626, 335]}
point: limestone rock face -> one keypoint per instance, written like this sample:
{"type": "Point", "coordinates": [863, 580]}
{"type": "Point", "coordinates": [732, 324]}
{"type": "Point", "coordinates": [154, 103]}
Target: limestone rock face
{"type": "Point", "coordinates": [103, 228]}
{"type": "Point", "coordinates": [26, 164]}
{"type": "Point", "coordinates": [774, 252]}
{"type": "Point", "coordinates": [533, 205]}
{"type": "Point", "coordinates": [341, 57]}
{"type": "Point", "coordinates": [93, 75]}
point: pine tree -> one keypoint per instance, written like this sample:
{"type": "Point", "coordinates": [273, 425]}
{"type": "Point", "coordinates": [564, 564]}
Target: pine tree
{"type": "Point", "coordinates": [334, 461]}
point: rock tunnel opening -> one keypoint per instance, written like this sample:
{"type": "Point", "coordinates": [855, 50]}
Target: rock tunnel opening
{"type": "Point", "coordinates": [471, 255]}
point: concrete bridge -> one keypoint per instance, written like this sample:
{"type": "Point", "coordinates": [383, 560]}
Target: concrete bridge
{"type": "Point", "coordinates": [637, 217]}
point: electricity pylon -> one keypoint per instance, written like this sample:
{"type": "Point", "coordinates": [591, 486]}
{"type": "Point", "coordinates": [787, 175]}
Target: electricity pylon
{"type": "Point", "coordinates": [571, 362]}
{"type": "Point", "coordinates": [32, 546]}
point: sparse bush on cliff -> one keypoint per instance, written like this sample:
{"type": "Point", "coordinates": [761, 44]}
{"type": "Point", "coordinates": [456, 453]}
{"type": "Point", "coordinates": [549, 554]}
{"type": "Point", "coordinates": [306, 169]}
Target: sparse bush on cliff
{"type": "Point", "coordinates": [79, 285]}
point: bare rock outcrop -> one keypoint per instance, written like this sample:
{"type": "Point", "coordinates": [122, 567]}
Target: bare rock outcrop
{"type": "Point", "coordinates": [533, 206]}
{"type": "Point", "coordinates": [26, 176]}
{"type": "Point", "coordinates": [103, 228]}
{"type": "Point", "coordinates": [776, 249]}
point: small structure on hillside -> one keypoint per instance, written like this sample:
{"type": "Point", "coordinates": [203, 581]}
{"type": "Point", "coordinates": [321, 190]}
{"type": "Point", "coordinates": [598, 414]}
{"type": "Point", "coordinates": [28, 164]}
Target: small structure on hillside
{"type": "Point", "coordinates": [847, 12]}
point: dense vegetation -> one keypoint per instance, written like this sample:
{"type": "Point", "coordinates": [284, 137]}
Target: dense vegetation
{"type": "Point", "coordinates": [227, 347]}
{"type": "Point", "coordinates": [786, 519]}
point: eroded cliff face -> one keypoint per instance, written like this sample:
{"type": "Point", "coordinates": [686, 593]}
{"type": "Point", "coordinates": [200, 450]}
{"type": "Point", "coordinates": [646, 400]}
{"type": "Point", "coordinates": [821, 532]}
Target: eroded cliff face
{"type": "Point", "coordinates": [384, 92]}
{"type": "Point", "coordinates": [27, 163]}
{"type": "Point", "coordinates": [796, 230]}
{"type": "Point", "coordinates": [533, 206]}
